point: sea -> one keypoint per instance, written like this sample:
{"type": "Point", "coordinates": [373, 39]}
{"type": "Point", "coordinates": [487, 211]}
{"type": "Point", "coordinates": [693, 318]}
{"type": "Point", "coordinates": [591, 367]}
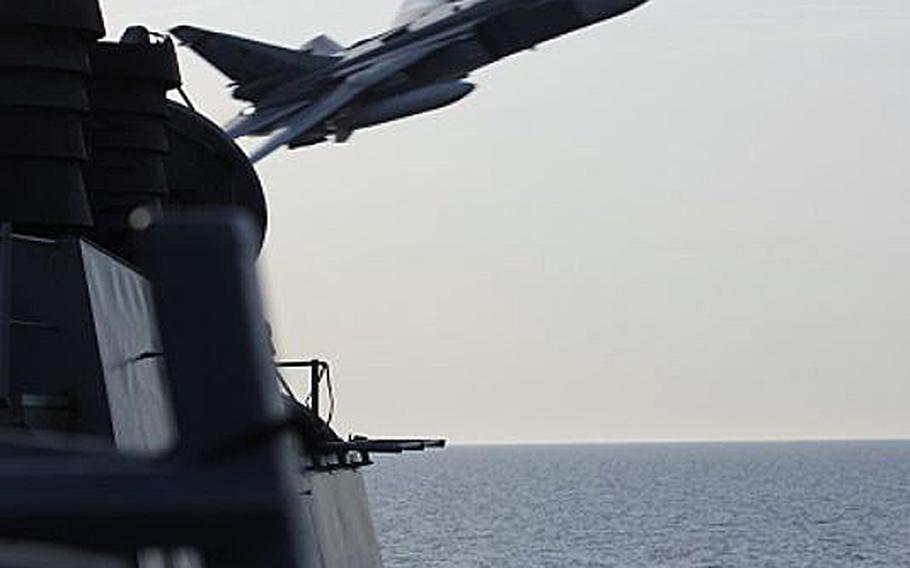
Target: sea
{"type": "Point", "coordinates": [824, 504]}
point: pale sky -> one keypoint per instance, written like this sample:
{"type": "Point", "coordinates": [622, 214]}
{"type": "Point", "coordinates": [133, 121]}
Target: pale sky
{"type": "Point", "coordinates": [690, 223]}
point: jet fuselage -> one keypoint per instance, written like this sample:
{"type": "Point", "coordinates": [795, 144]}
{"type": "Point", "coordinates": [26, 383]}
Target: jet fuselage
{"type": "Point", "coordinates": [414, 67]}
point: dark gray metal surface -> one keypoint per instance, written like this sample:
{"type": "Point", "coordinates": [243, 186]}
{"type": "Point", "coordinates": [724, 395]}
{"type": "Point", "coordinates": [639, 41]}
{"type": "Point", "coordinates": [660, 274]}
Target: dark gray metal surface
{"type": "Point", "coordinates": [223, 385]}
{"type": "Point", "coordinates": [43, 68]}
{"type": "Point", "coordinates": [205, 168]}
{"type": "Point", "coordinates": [6, 264]}
{"type": "Point", "coordinates": [127, 133]}
{"type": "Point", "coordinates": [132, 361]}
{"type": "Point", "coordinates": [53, 351]}
{"type": "Point", "coordinates": [222, 379]}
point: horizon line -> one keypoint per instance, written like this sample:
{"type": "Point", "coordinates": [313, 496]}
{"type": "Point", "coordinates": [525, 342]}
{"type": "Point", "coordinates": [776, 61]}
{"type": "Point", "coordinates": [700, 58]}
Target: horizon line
{"type": "Point", "coordinates": [683, 441]}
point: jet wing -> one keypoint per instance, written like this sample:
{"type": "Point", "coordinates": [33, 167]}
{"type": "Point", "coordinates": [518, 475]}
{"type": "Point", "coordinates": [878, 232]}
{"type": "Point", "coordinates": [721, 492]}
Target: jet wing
{"type": "Point", "coordinates": [309, 117]}
{"type": "Point", "coordinates": [243, 60]}
{"type": "Point", "coordinates": [347, 90]}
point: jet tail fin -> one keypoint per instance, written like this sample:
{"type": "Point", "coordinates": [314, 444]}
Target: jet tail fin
{"type": "Point", "coordinates": [245, 60]}
{"type": "Point", "coordinates": [322, 45]}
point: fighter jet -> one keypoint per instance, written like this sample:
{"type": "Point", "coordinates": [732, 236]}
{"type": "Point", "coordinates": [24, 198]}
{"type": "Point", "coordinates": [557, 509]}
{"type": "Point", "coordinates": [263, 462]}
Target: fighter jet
{"type": "Point", "coordinates": [322, 90]}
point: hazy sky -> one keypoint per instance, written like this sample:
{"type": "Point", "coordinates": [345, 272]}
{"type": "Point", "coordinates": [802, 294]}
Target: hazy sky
{"type": "Point", "coordinates": [687, 223]}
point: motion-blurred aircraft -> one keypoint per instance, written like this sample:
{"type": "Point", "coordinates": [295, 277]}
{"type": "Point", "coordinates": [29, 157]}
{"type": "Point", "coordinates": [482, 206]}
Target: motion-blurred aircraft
{"type": "Point", "coordinates": [304, 96]}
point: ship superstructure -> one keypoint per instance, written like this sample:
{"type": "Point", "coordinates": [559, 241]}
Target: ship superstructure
{"type": "Point", "coordinates": [144, 422]}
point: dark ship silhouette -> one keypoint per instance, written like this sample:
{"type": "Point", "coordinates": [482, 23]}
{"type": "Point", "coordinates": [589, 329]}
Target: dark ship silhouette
{"type": "Point", "coordinates": [144, 423]}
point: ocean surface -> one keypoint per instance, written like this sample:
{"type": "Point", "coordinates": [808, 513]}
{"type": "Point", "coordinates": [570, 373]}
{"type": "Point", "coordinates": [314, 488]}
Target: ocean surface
{"type": "Point", "coordinates": [784, 504]}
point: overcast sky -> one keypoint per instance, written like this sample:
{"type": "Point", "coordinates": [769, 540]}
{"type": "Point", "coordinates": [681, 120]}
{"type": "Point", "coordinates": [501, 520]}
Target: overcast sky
{"type": "Point", "coordinates": [687, 223]}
